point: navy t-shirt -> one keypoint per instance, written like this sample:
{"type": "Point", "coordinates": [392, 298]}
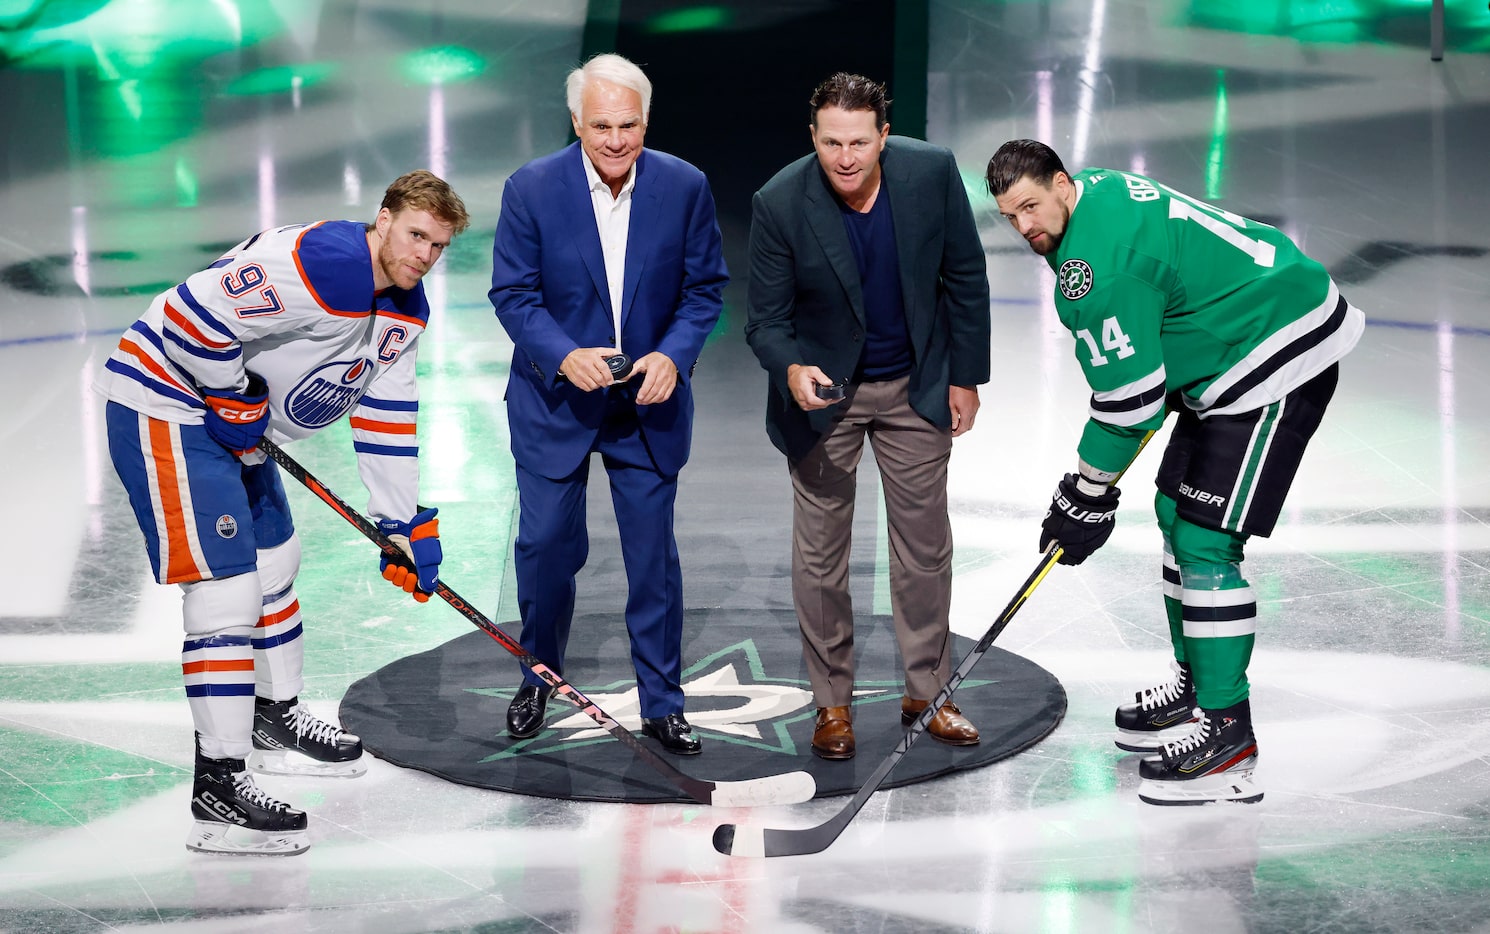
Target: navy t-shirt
{"type": "Point", "coordinates": [887, 347]}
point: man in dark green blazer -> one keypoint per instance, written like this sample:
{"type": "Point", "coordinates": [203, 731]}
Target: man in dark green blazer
{"type": "Point", "coordinates": [868, 308]}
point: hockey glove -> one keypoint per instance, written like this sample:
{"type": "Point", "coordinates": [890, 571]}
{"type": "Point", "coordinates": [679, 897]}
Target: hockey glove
{"type": "Point", "coordinates": [1079, 521]}
{"type": "Point", "coordinates": [236, 420]}
{"type": "Point", "coordinates": [420, 540]}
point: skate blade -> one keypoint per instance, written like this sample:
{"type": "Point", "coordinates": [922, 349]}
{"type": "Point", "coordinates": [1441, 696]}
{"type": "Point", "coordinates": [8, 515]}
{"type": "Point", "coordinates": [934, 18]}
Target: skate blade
{"type": "Point", "coordinates": [215, 837]}
{"type": "Point", "coordinates": [1226, 788]}
{"type": "Point", "coordinates": [1135, 741]}
{"type": "Point", "coordinates": [289, 762]}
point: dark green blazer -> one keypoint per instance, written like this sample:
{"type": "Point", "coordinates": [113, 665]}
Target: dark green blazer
{"type": "Point", "coordinates": [806, 305]}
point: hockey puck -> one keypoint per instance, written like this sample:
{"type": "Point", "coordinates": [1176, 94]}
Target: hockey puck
{"type": "Point", "coordinates": [829, 393]}
{"type": "Point", "coordinates": [620, 366]}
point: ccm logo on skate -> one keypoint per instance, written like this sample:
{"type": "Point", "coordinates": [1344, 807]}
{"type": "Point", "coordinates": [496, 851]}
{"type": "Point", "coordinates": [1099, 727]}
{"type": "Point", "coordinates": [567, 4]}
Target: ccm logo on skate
{"type": "Point", "coordinates": [1201, 496]}
{"type": "Point", "coordinates": [226, 811]}
{"type": "Point", "coordinates": [1092, 516]}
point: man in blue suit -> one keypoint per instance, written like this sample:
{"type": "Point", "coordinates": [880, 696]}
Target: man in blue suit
{"type": "Point", "coordinates": [605, 249]}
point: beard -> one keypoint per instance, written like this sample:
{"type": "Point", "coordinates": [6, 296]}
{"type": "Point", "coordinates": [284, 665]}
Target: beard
{"type": "Point", "coordinates": [1048, 245]}
{"type": "Point", "coordinates": [393, 270]}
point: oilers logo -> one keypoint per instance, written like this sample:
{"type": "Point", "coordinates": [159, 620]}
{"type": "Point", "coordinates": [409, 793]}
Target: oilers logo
{"type": "Point", "coordinates": [227, 526]}
{"type": "Point", "coordinates": [327, 393]}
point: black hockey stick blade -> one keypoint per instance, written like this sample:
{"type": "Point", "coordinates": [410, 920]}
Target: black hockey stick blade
{"type": "Point", "coordinates": [786, 788]}
{"type": "Point", "coordinates": [745, 840]}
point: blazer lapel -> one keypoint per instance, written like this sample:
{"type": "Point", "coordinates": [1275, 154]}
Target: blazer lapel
{"type": "Point", "coordinates": [907, 217]}
{"type": "Point", "coordinates": [585, 236]}
{"type": "Point", "coordinates": [646, 201]}
{"type": "Point", "coordinates": [827, 225]}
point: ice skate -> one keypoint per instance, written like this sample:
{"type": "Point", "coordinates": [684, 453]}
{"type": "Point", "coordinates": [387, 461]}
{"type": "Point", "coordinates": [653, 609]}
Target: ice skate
{"type": "Point", "coordinates": [233, 815]}
{"type": "Point", "coordinates": [1213, 764]}
{"type": "Point", "coordinates": [289, 740]}
{"type": "Point", "coordinates": [1158, 715]}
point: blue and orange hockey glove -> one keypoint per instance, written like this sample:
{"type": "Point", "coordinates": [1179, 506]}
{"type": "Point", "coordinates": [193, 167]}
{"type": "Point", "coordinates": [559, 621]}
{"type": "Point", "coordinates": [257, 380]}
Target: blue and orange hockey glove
{"type": "Point", "coordinates": [236, 420]}
{"type": "Point", "coordinates": [420, 540]}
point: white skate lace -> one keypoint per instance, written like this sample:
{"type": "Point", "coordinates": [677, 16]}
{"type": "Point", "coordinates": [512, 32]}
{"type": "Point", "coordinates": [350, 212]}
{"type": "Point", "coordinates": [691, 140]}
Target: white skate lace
{"type": "Point", "coordinates": [1166, 693]}
{"type": "Point", "coordinates": [1193, 740]}
{"type": "Point", "coordinates": [305, 723]}
{"type": "Point", "coordinates": [243, 784]}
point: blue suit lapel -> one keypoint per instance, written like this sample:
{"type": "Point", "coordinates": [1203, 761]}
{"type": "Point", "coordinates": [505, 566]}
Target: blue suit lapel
{"type": "Point", "coordinates": [646, 201]}
{"type": "Point", "coordinates": [585, 236]}
{"type": "Point", "coordinates": [827, 225]}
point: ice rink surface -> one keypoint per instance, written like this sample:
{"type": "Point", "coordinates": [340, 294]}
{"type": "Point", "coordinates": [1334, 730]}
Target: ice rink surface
{"type": "Point", "coordinates": [144, 137]}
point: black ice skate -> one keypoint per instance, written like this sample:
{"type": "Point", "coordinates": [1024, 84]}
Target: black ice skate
{"type": "Point", "coordinates": [1159, 714]}
{"type": "Point", "coordinates": [233, 815]}
{"type": "Point", "coordinates": [1214, 763]}
{"type": "Point", "coordinates": [289, 740]}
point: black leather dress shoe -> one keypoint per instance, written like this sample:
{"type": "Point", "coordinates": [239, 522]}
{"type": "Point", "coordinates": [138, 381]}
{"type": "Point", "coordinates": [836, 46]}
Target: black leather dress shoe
{"type": "Point", "coordinates": [674, 733]}
{"type": "Point", "coordinates": [525, 713]}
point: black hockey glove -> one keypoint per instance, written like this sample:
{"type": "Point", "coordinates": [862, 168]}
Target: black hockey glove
{"type": "Point", "coordinates": [1080, 523]}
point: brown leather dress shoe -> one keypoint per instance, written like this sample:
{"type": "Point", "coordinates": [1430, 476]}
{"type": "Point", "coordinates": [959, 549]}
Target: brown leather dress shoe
{"type": "Point", "coordinates": [949, 725]}
{"type": "Point", "coordinates": [833, 738]}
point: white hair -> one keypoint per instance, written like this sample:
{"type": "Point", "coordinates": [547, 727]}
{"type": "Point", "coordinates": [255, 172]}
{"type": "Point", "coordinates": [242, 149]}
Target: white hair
{"type": "Point", "coordinates": [610, 68]}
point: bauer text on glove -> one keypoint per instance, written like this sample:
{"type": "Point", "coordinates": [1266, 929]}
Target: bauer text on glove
{"type": "Point", "coordinates": [1080, 521]}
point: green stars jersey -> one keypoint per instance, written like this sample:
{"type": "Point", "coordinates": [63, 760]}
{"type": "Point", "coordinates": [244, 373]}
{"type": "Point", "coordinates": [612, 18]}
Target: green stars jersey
{"type": "Point", "coordinates": [1165, 293]}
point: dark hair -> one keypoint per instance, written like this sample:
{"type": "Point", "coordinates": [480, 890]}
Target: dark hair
{"type": "Point", "coordinates": [1022, 158]}
{"type": "Point", "coordinates": [851, 92]}
{"type": "Point", "coordinates": [422, 190]}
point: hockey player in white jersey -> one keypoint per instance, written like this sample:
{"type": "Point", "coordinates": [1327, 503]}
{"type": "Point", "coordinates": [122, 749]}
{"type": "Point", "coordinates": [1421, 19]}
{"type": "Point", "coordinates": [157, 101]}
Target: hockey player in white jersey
{"type": "Point", "coordinates": [289, 331]}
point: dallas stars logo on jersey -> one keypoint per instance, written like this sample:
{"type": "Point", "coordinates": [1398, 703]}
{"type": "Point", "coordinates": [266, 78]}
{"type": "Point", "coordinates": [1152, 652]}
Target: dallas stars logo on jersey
{"type": "Point", "coordinates": [1075, 278]}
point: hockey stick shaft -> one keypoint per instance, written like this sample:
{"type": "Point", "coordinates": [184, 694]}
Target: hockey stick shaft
{"type": "Point", "coordinates": [776, 789]}
{"type": "Point", "coordinates": [731, 839]}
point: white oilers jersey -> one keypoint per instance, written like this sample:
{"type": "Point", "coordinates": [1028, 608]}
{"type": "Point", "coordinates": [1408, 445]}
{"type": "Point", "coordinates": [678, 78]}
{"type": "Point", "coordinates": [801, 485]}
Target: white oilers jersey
{"type": "Point", "coordinates": [296, 306]}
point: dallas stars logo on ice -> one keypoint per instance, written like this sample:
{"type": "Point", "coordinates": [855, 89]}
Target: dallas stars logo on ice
{"type": "Point", "coordinates": [1075, 278]}
{"type": "Point", "coordinates": [731, 695]}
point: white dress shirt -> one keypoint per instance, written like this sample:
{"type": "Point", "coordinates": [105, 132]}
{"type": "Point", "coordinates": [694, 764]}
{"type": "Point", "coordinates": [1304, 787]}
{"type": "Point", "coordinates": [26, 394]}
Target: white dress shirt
{"type": "Point", "coordinates": [613, 220]}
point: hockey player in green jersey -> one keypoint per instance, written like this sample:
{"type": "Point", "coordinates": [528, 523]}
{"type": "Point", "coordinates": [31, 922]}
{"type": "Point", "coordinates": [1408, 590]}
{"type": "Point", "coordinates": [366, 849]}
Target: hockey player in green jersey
{"type": "Point", "coordinates": [1180, 306]}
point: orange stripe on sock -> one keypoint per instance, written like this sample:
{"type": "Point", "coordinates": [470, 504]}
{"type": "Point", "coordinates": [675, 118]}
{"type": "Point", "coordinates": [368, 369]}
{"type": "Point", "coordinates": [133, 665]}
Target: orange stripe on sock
{"type": "Point", "coordinates": [236, 664]}
{"type": "Point", "coordinates": [292, 610]}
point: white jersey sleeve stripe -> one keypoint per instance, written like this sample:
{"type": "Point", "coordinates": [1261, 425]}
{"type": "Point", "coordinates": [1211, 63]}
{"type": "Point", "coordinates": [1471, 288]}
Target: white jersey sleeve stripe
{"type": "Point", "coordinates": [183, 325]}
{"type": "Point", "coordinates": [1131, 404]}
{"type": "Point", "coordinates": [203, 313]}
{"type": "Point", "coordinates": [154, 368]}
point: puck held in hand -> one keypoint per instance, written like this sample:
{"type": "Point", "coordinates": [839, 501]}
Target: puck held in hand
{"type": "Point", "coordinates": [620, 366]}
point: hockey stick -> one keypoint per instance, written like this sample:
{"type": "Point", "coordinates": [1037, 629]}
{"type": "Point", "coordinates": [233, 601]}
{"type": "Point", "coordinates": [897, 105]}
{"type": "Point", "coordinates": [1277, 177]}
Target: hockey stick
{"type": "Point", "coordinates": [787, 788]}
{"type": "Point", "coordinates": [738, 840]}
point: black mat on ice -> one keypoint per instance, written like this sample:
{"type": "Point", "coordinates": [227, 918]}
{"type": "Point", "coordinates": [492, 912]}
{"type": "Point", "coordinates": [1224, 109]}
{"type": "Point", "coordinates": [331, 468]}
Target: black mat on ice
{"type": "Point", "coordinates": [443, 711]}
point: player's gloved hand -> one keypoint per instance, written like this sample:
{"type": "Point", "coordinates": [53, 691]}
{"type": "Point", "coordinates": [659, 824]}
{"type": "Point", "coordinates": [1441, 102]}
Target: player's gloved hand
{"type": "Point", "coordinates": [1081, 522]}
{"type": "Point", "coordinates": [420, 540]}
{"type": "Point", "coordinates": [236, 420]}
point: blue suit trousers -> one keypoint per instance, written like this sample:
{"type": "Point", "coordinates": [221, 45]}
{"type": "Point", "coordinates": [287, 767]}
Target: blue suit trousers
{"type": "Point", "coordinates": [553, 544]}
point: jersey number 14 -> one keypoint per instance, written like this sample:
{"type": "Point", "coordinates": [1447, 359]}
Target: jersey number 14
{"type": "Point", "coordinates": [1224, 224]}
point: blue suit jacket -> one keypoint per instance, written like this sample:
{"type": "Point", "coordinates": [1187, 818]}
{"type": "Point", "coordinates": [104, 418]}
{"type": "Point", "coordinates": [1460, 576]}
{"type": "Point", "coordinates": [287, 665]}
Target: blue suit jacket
{"type": "Point", "coordinates": [550, 293]}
